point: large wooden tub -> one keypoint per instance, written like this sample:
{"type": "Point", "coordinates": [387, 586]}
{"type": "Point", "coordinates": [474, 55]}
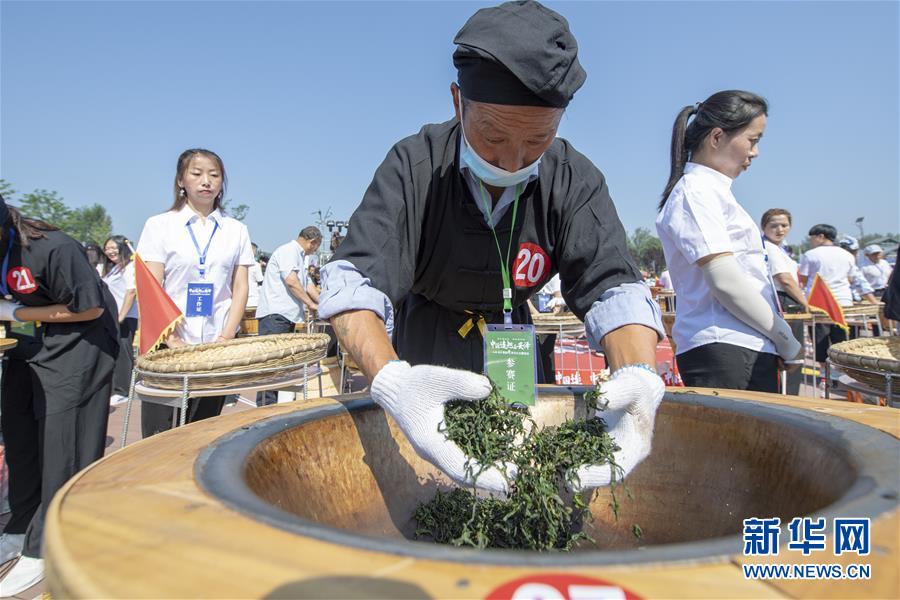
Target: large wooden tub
{"type": "Point", "coordinates": [316, 502]}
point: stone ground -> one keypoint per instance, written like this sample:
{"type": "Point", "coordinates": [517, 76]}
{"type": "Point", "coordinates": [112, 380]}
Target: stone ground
{"type": "Point", "coordinates": [330, 383]}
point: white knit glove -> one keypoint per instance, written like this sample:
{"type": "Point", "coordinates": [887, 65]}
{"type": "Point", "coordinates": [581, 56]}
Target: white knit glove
{"type": "Point", "coordinates": [415, 398]}
{"type": "Point", "coordinates": [8, 310]}
{"type": "Point", "coordinates": [633, 395]}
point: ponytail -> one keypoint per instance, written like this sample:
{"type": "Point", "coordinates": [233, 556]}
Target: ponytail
{"type": "Point", "coordinates": [678, 155]}
{"type": "Point", "coordinates": [730, 111]}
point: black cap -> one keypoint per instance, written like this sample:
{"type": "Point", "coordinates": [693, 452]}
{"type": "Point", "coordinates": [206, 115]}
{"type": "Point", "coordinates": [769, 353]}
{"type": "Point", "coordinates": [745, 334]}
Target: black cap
{"type": "Point", "coordinates": [519, 53]}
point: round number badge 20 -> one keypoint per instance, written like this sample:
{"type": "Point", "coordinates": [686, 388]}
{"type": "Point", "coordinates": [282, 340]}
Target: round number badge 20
{"type": "Point", "coordinates": [531, 265]}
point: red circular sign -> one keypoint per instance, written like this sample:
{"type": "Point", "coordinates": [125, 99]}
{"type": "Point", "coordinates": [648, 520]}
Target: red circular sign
{"type": "Point", "coordinates": [560, 586]}
{"type": "Point", "coordinates": [531, 266]}
{"type": "Point", "coordinates": [20, 280]}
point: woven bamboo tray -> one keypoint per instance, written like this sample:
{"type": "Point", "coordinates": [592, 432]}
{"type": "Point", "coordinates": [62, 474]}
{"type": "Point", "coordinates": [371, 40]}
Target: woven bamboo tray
{"type": "Point", "coordinates": [237, 361]}
{"type": "Point", "coordinates": [862, 310]}
{"type": "Point", "coordinates": [881, 355]}
{"type": "Point", "coordinates": [551, 319]}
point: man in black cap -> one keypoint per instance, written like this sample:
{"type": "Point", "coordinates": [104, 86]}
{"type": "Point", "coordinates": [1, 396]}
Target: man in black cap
{"type": "Point", "coordinates": [429, 247]}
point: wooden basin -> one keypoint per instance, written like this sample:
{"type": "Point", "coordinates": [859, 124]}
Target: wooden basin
{"type": "Point", "coordinates": [323, 496]}
{"type": "Point", "coordinates": [347, 474]}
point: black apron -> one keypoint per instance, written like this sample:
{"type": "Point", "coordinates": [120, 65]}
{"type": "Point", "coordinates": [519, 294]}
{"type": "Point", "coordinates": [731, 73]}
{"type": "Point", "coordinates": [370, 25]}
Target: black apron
{"type": "Point", "coordinates": [421, 239]}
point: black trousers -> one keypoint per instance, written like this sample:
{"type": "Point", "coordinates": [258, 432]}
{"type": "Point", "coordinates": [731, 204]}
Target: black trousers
{"type": "Point", "coordinates": [826, 335]}
{"type": "Point", "coordinates": [271, 325]}
{"type": "Point", "coordinates": [730, 367]}
{"type": "Point", "coordinates": [546, 347]}
{"type": "Point", "coordinates": [798, 328]}
{"type": "Point", "coordinates": [44, 453]}
{"type": "Point", "coordinates": [125, 358]}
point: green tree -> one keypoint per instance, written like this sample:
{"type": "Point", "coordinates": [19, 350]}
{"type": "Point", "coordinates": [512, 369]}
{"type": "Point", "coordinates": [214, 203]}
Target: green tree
{"type": "Point", "coordinates": [46, 206]}
{"type": "Point", "coordinates": [647, 250]}
{"type": "Point", "coordinates": [85, 224]}
{"type": "Point", "coordinates": [237, 211]}
{"type": "Point", "coordinates": [871, 238]}
{"type": "Point", "coordinates": [6, 190]}
{"type": "Point", "coordinates": [240, 211]}
{"type": "Point", "coordinates": [89, 224]}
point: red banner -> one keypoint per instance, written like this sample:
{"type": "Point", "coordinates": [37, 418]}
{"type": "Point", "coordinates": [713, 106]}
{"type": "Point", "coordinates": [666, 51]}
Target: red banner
{"type": "Point", "coordinates": [821, 296]}
{"type": "Point", "coordinates": [158, 313]}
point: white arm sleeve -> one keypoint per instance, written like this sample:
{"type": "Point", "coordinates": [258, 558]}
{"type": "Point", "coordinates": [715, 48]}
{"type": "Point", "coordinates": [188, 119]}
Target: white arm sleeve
{"type": "Point", "coordinates": [729, 286]}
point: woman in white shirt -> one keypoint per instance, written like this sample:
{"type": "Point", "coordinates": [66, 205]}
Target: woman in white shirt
{"type": "Point", "coordinates": [118, 274]}
{"type": "Point", "coordinates": [201, 257]}
{"type": "Point", "coordinates": [776, 224]}
{"type": "Point", "coordinates": [728, 331]}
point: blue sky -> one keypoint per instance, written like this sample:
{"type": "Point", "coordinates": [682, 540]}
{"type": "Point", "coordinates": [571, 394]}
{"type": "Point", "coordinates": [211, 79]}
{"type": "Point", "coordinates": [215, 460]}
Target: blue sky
{"type": "Point", "coordinates": [304, 99]}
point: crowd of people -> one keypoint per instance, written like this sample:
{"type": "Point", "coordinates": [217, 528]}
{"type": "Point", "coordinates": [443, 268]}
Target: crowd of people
{"type": "Point", "coordinates": [73, 311]}
{"type": "Point", "coordinates": [429, 251]}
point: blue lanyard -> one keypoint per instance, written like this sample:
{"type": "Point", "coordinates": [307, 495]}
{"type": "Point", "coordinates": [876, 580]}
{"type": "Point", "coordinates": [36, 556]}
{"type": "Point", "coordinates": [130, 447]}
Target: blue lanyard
{"type": "Point", "coordinates": [202, 254]}
{"type": "Point", "coordinates": [4, 288]}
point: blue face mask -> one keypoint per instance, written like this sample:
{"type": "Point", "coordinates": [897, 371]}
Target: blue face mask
{"type": "Point", "coordinates": [488, 173]}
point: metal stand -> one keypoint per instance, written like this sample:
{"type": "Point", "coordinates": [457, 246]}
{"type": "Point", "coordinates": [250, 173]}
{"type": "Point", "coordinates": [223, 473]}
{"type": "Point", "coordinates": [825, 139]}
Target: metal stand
{"type": "Point", "coordinates": [888, 392]}
{"type": "Point", "coordinates": [128, 405]}
{"type": "Point", "coordinates": [569, 331]}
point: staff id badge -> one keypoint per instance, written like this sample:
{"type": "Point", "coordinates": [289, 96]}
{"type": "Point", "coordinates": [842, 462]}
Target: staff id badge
{"type": "Point", "coordinates": [199, 300]}
{"type": "Point", "coordinates": [543, 301]}
{"type": "Point", "coordinates": [510, 361]}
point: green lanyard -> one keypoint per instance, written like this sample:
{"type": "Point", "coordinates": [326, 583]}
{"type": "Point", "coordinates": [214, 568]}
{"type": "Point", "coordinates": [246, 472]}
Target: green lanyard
{"type": "Point", "coordinates": [504, 265]}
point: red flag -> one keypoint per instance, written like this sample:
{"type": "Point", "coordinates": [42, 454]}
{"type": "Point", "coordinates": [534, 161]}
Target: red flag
{"type": "Point", "coordinates": [820, 296]}
{"type": "Point", "coordinates": [158, 314]}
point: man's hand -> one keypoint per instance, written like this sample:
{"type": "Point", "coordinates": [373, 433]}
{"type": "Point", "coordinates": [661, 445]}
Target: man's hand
{"type": "Point", "coordinates": [793, 364]}
{"type": "Point", "coordinates": [633, 396]}
{"type": "Point", "coordinates": [173, 341]}
{"type": "Point", "coordinates": [415, 398]}
{"type": "Point", "coordinates": [225, 335]}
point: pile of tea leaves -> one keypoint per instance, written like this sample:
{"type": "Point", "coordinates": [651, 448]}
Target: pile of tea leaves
{"type": "Point", "coordinates": [538, 513]}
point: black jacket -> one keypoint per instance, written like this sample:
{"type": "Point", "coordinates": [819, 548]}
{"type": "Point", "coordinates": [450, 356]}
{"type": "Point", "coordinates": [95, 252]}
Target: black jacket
{"type": "Point", "coordinates": [421, 239]}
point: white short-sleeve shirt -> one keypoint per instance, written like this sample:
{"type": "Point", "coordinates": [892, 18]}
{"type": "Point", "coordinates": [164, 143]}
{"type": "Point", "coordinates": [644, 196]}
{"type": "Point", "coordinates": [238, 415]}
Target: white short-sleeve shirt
{"type": "Point", "coordinates": [274, 297]}
{"type": "Point", "coordinates": [877, 274]}
{"type": "Point", "coordinates": [255, 276]}
{"type": "Point", "coordinates": [780, 262]}
{"type": "Point", "coordinates": [835, 266]}
{"type": "Point", "coordinates": [119, 281]}
{"type": "Point", "coordinates": [665, 280]}
{"type": "Point", "coordinates": [166, 239]}
{"type": "Point", "coordinates": [552, 286]}
{"type": "Point", "coordinates": [702, 217]}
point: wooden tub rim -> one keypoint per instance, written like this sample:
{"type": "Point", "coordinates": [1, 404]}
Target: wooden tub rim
{"type": "Point", "coordinates": [874, 455]}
